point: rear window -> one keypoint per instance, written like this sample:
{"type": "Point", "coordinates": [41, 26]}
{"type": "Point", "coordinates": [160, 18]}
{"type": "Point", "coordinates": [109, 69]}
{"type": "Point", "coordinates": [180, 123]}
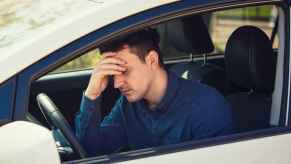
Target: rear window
{"type": "Point", "coordinates": [223, 23]}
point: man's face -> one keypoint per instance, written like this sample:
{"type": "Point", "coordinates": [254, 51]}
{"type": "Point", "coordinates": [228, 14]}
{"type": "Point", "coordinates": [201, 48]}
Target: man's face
{"type": "Point", "coordinates": [134, 83]}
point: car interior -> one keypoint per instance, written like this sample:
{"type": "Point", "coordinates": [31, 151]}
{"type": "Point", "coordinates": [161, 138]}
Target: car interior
{"type": "Point", "coordinates": [244, 73]}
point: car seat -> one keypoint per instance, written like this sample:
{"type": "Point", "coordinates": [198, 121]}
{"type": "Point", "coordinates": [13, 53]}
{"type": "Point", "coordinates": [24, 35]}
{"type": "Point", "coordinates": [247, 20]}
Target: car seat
{"type": "Point", "coordinates": [189, 36]}
{"type": "Point", "coordinates": [250, 69]}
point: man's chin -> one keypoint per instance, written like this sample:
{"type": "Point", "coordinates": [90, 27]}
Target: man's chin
{"type": "Point", "coordinates": [131, 98]}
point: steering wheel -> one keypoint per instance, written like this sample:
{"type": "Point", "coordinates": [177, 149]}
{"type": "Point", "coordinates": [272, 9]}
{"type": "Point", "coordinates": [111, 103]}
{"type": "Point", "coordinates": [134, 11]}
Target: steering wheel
{"type": "Point", "coordinates": [57, 120]}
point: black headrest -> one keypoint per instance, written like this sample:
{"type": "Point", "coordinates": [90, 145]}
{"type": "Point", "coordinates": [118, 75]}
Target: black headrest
{"type": "Point", "coordinates": [189, 35]}
{"type": "Point", "coordinates": [249, 59]}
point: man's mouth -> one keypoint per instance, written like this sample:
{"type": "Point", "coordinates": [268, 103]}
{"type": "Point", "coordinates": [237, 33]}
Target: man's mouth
{"type": "Point", "coordinates": [125, 91]}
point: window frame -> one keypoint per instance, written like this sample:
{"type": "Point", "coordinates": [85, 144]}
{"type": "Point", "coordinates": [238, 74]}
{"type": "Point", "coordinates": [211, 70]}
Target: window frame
{"type": "Point", "coordinates": [143, 19]}
{"type": "Point", "coordinates": [7, 103]}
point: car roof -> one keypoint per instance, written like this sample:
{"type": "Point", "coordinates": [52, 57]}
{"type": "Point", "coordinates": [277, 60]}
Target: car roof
{"type": "Point", "coordinates": [25, 45]}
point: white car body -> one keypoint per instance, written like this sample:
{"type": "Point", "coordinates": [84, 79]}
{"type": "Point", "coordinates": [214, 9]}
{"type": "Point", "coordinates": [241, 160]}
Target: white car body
{"type": "Point", "coordinates": [269, 148]}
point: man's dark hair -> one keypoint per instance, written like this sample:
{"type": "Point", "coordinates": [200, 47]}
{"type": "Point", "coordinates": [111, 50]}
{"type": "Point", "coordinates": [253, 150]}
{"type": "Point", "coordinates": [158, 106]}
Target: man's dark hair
{"type": "Point", "coordinates": [140, 43]}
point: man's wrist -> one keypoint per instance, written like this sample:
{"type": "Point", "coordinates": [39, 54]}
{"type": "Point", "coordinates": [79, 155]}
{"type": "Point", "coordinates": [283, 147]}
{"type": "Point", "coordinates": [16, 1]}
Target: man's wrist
{"type": "Point", "coordinates": [88, 104]}
{"type": "Point", "coordinates": [91, 96]}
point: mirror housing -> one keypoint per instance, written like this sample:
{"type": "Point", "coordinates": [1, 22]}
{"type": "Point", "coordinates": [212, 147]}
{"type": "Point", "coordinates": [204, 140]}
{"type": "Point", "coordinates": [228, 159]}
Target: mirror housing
{"type": "Point", "coordinates": [26, 142]}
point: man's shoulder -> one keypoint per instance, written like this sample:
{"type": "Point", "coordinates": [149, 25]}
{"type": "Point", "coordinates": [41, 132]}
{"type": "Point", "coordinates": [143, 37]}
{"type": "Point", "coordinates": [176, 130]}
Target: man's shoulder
{"type": "Point", "coordinates": [201, 95]}
{"type": "Point", "coordinates": [197, 89]}
{"type": "Point", "coordinates": [205, 105]}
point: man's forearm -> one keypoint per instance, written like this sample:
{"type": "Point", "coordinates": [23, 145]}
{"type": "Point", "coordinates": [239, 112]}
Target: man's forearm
{"type": "Point", "coordinates": [96, 137]}
{"type": "Point", "coordinates": [89, 115]}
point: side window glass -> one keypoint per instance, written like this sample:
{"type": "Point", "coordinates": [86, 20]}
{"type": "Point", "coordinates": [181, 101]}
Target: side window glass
{"type": "Point", "coordinates": [86, 61]}
{"type": "Point", "coordinates": [223, 23]}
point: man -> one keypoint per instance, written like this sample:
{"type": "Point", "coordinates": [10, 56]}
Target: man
{"type": "Point", "coordinates": [156, 107]}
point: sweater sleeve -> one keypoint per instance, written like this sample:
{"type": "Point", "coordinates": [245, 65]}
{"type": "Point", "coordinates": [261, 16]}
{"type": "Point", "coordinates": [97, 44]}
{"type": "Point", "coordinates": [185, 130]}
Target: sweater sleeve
{"type": "Point", "coordinates": [100, 137]}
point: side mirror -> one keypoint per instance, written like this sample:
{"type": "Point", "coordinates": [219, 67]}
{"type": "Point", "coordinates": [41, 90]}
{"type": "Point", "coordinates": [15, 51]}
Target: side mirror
{"type": "Point", "coordinates": [25, 142]}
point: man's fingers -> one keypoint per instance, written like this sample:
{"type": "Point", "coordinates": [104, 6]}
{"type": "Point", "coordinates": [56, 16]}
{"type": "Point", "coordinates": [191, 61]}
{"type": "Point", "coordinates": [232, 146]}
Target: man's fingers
{"type": "Point", "coordinates": [113, 60]}
{"type": "Point", "coordinates": [108, 54]}
{"type": "Point", "coordinates": [112, 67]}
{"type": "Point", "coordinates": [107, 72]}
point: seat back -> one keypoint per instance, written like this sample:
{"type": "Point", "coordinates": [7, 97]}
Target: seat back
{"type": "Point", "coordinates": [250, 67]}
{"type": "Point", "coordinates": [187, 36]}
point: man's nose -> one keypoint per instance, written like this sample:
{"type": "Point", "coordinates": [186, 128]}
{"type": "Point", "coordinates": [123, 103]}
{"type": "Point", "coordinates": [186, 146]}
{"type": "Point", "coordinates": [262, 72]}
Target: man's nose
{"type": "Point", "coordinates": [118, 81]}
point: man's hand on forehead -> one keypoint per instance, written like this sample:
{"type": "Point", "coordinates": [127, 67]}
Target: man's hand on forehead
{"type": "Point", "coordinates": [113, 55]}
{"type": "Point", "coordinates": [109, 65]}
{"type": "Point", "coordinates": [110, 61]}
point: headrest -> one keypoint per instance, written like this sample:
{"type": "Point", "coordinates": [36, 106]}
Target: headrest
{"type": "Point", "coordinates": [188, 35]}
{"type": "Point", "coordinates": [250, 63]}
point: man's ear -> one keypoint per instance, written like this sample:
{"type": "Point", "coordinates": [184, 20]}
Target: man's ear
{"type": "Point", "coordinates": [152, 59]}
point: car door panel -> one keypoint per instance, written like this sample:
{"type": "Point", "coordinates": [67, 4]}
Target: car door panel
{"type": "Point", "coordinates": [268, 150]}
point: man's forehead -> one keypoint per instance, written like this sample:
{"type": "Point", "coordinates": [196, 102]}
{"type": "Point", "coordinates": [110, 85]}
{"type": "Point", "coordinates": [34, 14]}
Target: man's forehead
{"type": "Point", "coordinates": [126, 54]}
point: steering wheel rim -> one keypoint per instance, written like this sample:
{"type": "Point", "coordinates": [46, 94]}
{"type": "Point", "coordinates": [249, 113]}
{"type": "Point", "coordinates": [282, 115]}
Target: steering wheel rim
{"type": "Point", "coordinates": [56, 119]}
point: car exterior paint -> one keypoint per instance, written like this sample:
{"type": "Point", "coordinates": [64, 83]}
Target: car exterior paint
{"type": "Point", "coordinates": [47, 48]}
